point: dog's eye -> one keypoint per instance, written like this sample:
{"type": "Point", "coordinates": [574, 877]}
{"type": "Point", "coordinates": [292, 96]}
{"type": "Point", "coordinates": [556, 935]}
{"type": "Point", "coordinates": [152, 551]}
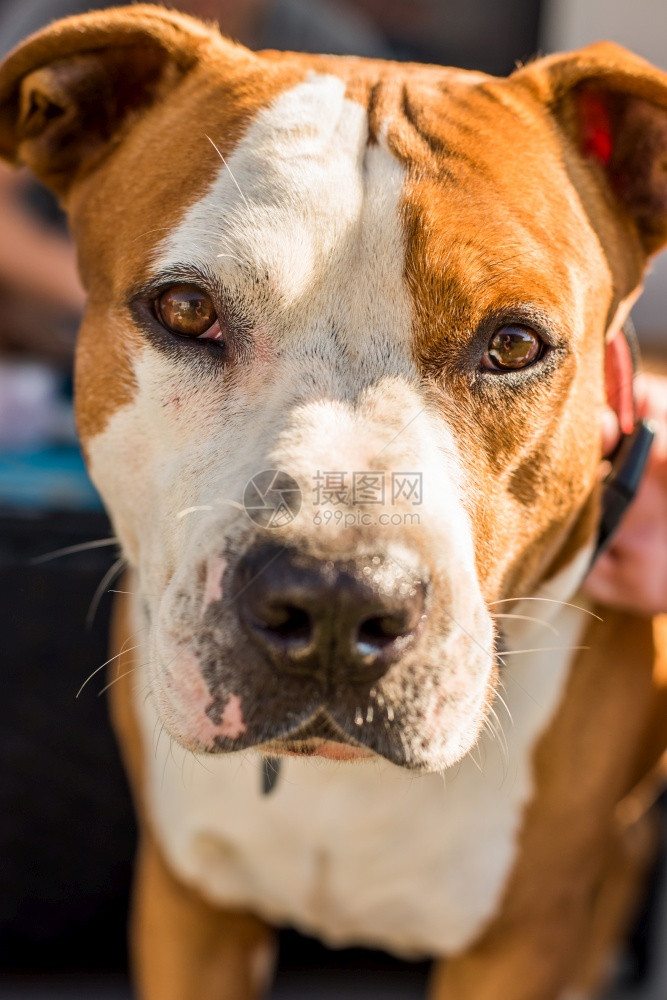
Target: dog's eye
{"type": "Point", "coordinates": [188, 311]}
{"type": "Point", "coordinates": [511, 348]}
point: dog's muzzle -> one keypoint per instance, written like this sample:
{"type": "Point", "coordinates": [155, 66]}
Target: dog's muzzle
{"type": "Point", "coordinates": [293, 648]}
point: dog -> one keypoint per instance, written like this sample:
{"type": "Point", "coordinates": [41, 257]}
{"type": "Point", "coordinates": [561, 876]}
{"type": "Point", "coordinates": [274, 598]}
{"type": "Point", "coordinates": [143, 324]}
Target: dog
{"type": "Point", "coordinates": [339, 383]}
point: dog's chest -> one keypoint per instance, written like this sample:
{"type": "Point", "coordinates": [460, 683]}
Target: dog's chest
{"type": "Point", "coordinates": [362, 853]}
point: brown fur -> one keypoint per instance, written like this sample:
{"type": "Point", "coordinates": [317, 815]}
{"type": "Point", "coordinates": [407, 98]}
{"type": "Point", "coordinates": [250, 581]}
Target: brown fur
{"type": "Point", "coordinates": [570, 837]}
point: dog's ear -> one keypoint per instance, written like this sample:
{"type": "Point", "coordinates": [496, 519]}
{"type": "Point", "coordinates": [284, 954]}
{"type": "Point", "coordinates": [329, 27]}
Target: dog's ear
{"type": "Point", "coordinates": [614, 105]}
{"type": "Point", "coordinates": [68, 93]}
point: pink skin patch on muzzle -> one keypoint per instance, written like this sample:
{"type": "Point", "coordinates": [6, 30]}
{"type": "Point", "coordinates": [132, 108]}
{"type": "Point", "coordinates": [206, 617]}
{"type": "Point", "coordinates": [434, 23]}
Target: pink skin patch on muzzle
{"type": "Point", "coordinates": [190, 699]}
{"type": "Point", "coordinates": [215, 568]}
{"type": "Point", "coordinates": [231, 722]}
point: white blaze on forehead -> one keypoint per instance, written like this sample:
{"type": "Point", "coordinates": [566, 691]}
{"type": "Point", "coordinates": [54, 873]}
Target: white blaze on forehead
{"type": "Point", "coordinates": [308, 207]}
{"type": "Point", "coordinates": [302, 227]}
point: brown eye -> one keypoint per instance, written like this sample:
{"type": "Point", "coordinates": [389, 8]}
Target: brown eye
{"type": "Point", "coordinates": [188, 311]}
{"type": "Point", "coordinates": [511, 348]}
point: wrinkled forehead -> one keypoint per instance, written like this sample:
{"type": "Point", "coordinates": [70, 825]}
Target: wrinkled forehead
{"type": "Point", "coordinates": [311, 152]}
{"type": "Point", "coordinates": [364, 211]}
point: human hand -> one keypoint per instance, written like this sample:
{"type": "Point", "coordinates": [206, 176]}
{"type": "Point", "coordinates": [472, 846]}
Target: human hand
{"type": "Point", "coordinates": [631, 573]}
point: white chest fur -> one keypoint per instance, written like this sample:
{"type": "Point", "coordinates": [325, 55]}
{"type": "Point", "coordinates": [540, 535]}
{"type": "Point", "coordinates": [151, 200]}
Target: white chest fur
{"type": "Point", "coordinates": [365, 853]}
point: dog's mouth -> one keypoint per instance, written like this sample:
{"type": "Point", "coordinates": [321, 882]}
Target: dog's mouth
{"type": "Point", "coordinates": [329, 749]}
{"type": "Point", "coordinates": [416, 716]}
{"type": "Point", "coordinates": [319, 737]}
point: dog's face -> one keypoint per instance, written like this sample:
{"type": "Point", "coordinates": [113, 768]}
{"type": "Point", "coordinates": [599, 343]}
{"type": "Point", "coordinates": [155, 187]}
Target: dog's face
{"type": "Point", "coordinates": [340, 374]}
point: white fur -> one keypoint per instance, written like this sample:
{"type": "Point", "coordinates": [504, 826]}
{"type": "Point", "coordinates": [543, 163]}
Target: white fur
{"type": "Point", "coordinates": [305, 206]}
{"type": "Point", "coordinates": [362, 853]}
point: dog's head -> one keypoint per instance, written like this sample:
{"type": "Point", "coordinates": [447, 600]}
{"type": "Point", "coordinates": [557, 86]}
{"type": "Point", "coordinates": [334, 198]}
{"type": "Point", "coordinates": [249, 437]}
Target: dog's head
{"type": "Point", "coordinates": [341, 369]}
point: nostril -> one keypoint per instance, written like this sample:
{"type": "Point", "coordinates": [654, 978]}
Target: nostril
{"type": "Point", "coordinates": [288, 622]}
{"type": "Point", "coordinates": [379, 639]}
{"type": "Point", "coordinates": [375, 633]}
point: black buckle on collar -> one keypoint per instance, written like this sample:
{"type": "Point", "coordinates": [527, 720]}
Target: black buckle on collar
{"type": "Point", "coordinates": [628, 463]}
{"type": "Point", "coordinates": [620, 486]}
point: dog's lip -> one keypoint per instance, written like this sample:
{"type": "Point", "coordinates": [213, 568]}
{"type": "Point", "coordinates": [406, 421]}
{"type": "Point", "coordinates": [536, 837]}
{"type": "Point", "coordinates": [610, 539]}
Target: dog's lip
{"type": "Point", "coordinates": [329, 749]}
{"type": "Point", "coordinates": [319, 736]}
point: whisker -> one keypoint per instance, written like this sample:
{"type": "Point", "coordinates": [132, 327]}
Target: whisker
{"type": "Point", "coordinates": [245, 201]}
{"type": "Point", "coordinates": [167, 756]}
{"type": "Point", "coordinates": [196, 757]}
{"type": "Point", "coordinates": [73, 549]}
{"type": "Point", "coordinates": [493, 720]}
{"type": "Point", "coordinates": [193, 510]}
{"type": "Point", "coordinates": [542, 649]}
{"type": "Point", "coordinates": [225, 501]}
{"type": "Point", "coordinates": [159, 737]}
{"type": "Point", "coordinates": [548, 600]}
{"type": "Point", "coordinates": [528, 618]}
{"type": "Point", "coordinates": [172, 742]}
{"type": "Point", "coordinates": [496, 734]}
{"type": "Point", "coordinates": [232, 256]}
{"type": "Point", "coordinates": [508, 675]}
{"type": "Point", "coordinates": [498, 731]}
{"type": "Point", "coordinates": [110, 575]}
{"type": "Point", "coordinates": [207, 231]}
{"type": "Point", "coordinates": [117, 678]}
{"type": "Point", "coordinates": [131, 593]}
{"type": "Point", "coordinates": [477, 760]}
{"type": "Point", "coordinates": [504, 704]}
{"type": "Point", "coordinates": [105, 664]}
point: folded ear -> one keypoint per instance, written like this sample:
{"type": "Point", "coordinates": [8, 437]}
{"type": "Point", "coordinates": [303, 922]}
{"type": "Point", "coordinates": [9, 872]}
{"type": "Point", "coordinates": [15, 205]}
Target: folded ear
{"type": "Point", "coordinates": [68, 93]}
{"type": "Point", "coordinates": [614, 106]}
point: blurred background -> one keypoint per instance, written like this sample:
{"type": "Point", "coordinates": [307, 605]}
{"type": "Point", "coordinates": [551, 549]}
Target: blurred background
{"type": "Point", "coordinates": [66, 826]}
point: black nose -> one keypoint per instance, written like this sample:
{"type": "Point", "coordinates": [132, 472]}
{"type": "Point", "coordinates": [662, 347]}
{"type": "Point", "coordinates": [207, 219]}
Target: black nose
{"type": "Point", "coordinates": [333, 620]}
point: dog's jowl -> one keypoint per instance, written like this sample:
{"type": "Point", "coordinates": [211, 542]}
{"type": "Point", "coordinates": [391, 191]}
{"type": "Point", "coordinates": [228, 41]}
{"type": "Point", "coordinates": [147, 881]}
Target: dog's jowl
{"type": "Point", "coordinates": [339, 382]}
